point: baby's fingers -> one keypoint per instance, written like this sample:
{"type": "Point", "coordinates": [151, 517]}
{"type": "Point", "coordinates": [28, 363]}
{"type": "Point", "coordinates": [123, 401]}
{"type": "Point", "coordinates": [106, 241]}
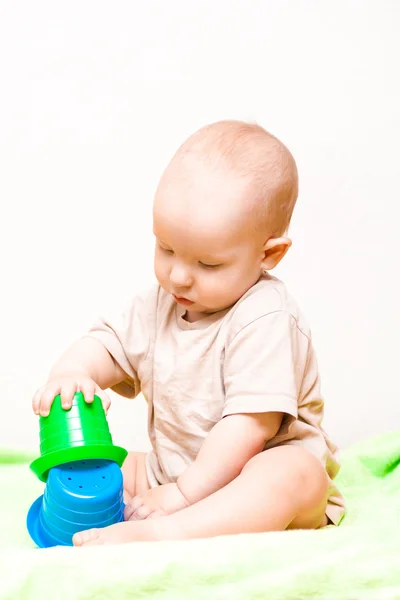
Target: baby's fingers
{"type": "Point", "coordinates": [46, 397]}
{"type": "Point", "coordinates": [143, 512]}
{"type": "Point", "coordinates": [132, 507]}
{"type": "Point", "coordinates": [105, 398]}
{"type": "Point", "coordinates": [88, 389]}
{"type": "Point", "coordinates": [156, 514]}
{"type": "Point", "coordinates": [43, 398]}
{"type": "Point", "coordinates": [36, 400]}
{"type": "Point", "coordinates": [67, 393]}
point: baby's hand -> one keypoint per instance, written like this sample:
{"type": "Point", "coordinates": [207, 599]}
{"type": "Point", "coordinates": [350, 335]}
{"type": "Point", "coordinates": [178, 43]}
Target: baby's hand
{"type": "Point", "coordinates": [157, 502]}
{"type": "Point", "coordinates": [66, 385]}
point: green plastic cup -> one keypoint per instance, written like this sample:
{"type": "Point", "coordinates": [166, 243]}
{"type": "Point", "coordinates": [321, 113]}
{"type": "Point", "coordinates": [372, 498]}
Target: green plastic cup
{"type": "Point", "coordinates": [78, 433]}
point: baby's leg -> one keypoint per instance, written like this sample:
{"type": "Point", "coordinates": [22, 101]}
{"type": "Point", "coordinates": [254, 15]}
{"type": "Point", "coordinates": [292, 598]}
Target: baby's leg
{"type": "Point", "coordinates": [134, 474]}
{"type": "Point", "coordinates": [285, 487]}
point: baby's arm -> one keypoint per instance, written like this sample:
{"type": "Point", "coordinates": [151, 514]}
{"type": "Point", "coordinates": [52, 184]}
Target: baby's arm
{"type": "Point", "coordinates": [229, 446]}
{"type": "Point", "coordinates": [269, 385]}
{"type": "Point", "coordinates": [86, 366]}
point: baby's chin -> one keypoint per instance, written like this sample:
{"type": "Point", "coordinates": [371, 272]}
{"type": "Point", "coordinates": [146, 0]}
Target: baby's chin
{"type": "Point", "coordinates": [206, 310]}
{"type": "Point", "coordinates": [200, 309]}
{"type": "Point", "coordinates": [195, 312]}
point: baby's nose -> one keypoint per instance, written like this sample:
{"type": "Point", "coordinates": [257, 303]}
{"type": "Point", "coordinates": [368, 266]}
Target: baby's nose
{"type": "Point", "coordinates": [180, 276]}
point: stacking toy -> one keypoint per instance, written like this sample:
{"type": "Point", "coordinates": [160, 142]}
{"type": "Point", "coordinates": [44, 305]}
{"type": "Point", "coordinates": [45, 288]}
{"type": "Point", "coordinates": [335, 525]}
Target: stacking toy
{"type": "Point", "coordinates": [81, 468]}
{"type": "Point", "coordinates": [78, 495]}
{"type": "Point", "coordinates": [78, 433]}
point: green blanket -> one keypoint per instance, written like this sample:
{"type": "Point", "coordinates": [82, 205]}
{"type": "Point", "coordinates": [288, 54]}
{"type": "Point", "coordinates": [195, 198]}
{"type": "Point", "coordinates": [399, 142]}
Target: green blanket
{"type": "Point", "coordinates": [356, 561]}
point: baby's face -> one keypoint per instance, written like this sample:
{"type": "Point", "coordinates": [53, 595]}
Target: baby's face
{"type": "Point", "coordinates": [206, 254]}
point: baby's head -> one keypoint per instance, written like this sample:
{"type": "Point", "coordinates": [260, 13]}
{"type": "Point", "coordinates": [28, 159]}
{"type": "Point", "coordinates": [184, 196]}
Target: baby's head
{"type": "Point", "coordinates": [221, 213]}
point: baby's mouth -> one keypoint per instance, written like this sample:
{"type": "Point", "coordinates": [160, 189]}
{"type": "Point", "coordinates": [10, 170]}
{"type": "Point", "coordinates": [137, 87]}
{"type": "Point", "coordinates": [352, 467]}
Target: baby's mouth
{"type": "Point", "coordinates": [183, 300]}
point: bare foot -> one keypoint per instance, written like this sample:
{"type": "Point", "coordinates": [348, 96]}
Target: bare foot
{"type": "Point", "coordinates": [120, 533]}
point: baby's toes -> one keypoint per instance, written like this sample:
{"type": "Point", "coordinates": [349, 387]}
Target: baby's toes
{"type": "Point", "coordinates": [85, 537]}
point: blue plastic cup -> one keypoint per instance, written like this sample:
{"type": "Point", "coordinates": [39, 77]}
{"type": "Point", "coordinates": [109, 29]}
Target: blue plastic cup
{"type": "Point", "coordinates": [78, 495]}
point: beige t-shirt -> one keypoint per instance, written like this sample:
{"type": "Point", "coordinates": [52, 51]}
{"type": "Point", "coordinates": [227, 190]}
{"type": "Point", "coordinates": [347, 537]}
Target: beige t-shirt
{"type": "Point", "coordinates": [255, 357]}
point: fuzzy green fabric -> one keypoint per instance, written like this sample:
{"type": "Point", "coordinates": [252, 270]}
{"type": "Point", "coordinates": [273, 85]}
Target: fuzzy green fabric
{"type": "Point", "coordinates": [357, 561]}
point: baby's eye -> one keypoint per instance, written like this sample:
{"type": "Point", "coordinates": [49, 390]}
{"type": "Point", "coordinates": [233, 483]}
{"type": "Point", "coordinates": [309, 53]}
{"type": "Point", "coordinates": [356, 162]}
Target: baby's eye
{"type": "Point", "coordinates": [205, 266]}
{"type": "Point", "coordinates": [166, 250]}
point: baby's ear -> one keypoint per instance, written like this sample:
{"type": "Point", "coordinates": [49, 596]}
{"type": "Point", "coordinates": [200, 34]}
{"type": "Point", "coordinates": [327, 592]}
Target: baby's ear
{"type": "Point", "coordinates": [274, 250]}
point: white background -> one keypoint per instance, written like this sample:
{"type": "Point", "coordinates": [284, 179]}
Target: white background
{"type": "Point", "coordinates": [95, 96]}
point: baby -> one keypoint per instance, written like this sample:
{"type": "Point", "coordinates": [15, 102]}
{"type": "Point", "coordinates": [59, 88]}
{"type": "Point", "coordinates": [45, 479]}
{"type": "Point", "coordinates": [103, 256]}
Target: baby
{"type": "Point", "coordinates": [221, 353]}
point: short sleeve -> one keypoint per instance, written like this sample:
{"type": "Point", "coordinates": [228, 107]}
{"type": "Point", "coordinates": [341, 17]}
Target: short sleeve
{"type": "Point", "coordinates": [126, 336]}
{"type": "Point", "coordinates": [264, 366]}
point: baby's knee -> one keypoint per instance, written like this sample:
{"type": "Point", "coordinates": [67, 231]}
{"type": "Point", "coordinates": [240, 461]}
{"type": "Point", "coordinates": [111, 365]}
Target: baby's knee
{"type": "Point", "coordinates": [312, 476]}
{"type": "Point", "coordinates": [311, 489]}
{"type": "Point", "coordinates": [294, 468]}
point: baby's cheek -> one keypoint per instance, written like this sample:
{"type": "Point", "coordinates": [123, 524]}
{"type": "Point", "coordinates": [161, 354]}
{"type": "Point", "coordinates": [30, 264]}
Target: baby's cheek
{"type": "Point", "coordinates": [222, 287]}
{"type": "Point", "coordinates": [160, 272]}
{"type": "Point", "coordinates": [212, 291]}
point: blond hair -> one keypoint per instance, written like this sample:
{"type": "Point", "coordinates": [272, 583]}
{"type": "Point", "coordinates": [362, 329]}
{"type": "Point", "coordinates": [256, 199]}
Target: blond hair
{"type": "Point", "coordinates": [251, 152]}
